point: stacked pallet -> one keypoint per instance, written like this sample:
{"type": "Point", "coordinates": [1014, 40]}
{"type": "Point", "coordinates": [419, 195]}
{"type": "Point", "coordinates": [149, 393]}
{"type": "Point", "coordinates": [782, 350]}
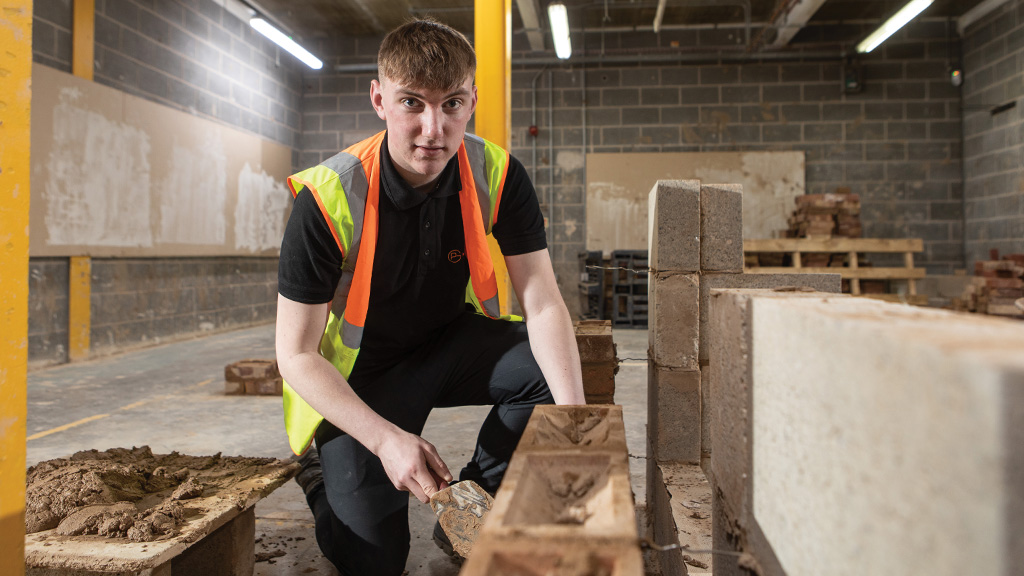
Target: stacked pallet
{"type": "Point", "coordinates": [826, 216]}
{"type": "Point", "coordinates": [998, 287]}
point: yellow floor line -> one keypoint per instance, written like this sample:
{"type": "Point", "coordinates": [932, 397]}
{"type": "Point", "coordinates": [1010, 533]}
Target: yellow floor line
{"type": "Point", "coordinates": [131, 406]}
{"type": "Point", "coordinates": [39, 435]}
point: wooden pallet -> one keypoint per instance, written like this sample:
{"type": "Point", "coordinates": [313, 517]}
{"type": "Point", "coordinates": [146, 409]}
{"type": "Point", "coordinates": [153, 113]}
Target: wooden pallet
{"type": "Point", "coordinates": [851, 247]}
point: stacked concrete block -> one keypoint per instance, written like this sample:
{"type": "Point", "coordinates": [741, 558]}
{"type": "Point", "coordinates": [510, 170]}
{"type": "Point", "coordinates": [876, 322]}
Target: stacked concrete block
{"type": "Point", "coordinates": [253, 377]}
{"type": "Point", "coordinates": [696, 244]}
{"type": "Point", "coordinates": [597, 359]}
{"type": "Point", "coordinates": [565, 504]}
{"type": "Point", "coordinates": [845, 425]}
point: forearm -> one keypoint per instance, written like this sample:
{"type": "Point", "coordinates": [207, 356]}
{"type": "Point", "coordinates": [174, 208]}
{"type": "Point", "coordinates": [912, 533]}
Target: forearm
{"type": "Point", "coordinates": [554, 347]}
{"type": "Point", "coordinates": [323, 387]}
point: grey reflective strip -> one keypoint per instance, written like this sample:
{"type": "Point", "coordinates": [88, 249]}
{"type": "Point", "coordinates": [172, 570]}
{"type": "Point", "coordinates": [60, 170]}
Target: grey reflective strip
{"type": "Point", "coordinates": [351, 336]}
{"type": "Point", "coordinates": [491, 307]}
{"type": "Point", "coordinates": [341, 293]}
{"type": "Point", "coordinates": [478, 163]}
{"type": "Point", "coordinates": [353, 181]}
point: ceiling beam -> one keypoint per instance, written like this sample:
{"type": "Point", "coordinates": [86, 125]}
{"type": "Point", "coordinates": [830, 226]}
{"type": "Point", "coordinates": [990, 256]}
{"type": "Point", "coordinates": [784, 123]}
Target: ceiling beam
{"type": "Point", "coordinates": [796, 17]}
{"type": "Point", "coordinates": [529, 11]}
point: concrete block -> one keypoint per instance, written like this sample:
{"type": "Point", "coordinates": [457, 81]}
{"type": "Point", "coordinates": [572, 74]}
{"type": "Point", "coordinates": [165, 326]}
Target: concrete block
{"type": "Point", "coordinates": [673, 226]}
{"type": "Point", "coordinates": [673, 320]}
{"type": "Point", "coordinates": [673, 414]}
{"type": "Point", "coordinates": [867, 414]}
{"type": "Point", "coordinates": [594, 340]}
{"type": "Point", "coordinates": [708, 282]}
{"type": "Point", "coordinates": [541, 557]}
{"type": "Point", "coordinates": [584, 428]}
{"type": "Point", "coordinates": [721, 228]}
{"type": "Point", "coordinates": [599, 380]}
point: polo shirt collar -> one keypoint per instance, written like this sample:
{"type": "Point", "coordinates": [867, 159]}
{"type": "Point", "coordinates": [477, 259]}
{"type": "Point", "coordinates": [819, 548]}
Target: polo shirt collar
{"type": "Point", "coordinates": [402, 194]}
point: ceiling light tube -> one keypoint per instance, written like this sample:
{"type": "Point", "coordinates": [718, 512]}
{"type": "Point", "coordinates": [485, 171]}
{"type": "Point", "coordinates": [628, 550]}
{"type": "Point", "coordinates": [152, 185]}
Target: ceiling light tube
{"type": "Point", "coordinates": [906, 14]}
{"type": "Point", "coordinates": [279, 38]}
{"type": "Point", "coordinates": [558, 19]}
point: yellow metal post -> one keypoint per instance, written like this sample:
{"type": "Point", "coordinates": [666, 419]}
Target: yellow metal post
{"type": "Point", "coordinates": [493, 38]}
{"type": "Point", "coordinates": [80, 269]}
{"type": "Point", "coordinates": [83, 38]}
{"type": "Point", "coordinates": [15, 106]}
{"type": "Point", "coordinates": [79, 307]}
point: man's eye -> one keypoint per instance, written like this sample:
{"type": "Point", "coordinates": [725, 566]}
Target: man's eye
{"type": "Point", "coordinates": [453, 104]}
{"type": "Point", "coordinates": [409, 102]}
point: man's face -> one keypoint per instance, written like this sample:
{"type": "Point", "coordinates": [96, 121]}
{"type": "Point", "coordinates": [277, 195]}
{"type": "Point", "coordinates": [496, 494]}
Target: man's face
{"type": "Point", "coordinates": [425, 127]}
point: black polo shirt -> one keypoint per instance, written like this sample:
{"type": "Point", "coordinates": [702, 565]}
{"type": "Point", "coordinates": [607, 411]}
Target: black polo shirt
{"type": "Point", "coordinates": [420, 271]}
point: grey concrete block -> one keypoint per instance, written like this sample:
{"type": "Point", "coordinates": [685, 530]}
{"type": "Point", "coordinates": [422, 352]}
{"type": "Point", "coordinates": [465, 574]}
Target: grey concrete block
{"type": "Point", "coordinates": [673, 320]}
{"type": "Point", "coordinates": [640, 115]}
{"type": "Point", "coordinates": [674, 414]}
{"type": "Point", "coordinates": [673, 233]}
{"type": "Point", "coordinates": [721, 227]}
{"type": "Point", "coordinates": [708, 282]}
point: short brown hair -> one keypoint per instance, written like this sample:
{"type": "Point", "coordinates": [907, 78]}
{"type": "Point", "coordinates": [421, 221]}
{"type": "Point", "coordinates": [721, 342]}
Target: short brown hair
{"type": "Point", "coordinates": [428, 54]}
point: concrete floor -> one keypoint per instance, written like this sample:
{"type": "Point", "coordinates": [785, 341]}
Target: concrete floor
{"type": "Point", "coordinates": [170, 397]}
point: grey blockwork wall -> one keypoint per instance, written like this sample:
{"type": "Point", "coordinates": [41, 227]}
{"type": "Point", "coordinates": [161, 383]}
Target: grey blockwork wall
{"type": "Point", "coordinates": [898, 143]}
{"type": "Point", "coordinates": [140, 301]}
{"type": "Point", "coordinates": [191, 55]}
{"type": "Point", "coordinates": [994, 143]}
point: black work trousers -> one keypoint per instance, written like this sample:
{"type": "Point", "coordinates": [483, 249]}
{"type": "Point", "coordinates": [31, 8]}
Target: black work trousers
{"type": "Point", "coordinates": [362, 522]}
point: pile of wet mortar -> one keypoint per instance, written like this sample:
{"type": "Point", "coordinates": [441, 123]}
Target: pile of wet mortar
{"type": "Point", "coordinates": [135, 495]}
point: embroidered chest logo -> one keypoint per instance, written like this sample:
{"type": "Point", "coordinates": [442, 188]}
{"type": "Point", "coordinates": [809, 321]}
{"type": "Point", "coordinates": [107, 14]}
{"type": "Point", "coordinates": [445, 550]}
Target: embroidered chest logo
{"type": "Point", "coordinates": [454, 256]}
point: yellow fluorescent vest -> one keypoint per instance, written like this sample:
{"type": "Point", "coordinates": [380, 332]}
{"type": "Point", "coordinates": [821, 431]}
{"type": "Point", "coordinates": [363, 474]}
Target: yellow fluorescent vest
{"type": "Point", "coordinates": [347, 190]}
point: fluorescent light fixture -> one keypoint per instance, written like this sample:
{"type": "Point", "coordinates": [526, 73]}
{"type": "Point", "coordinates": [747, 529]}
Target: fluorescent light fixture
{"type": "Point", "coordinates": [279, 38]}
{"type": "Point", "coordinates": [906, 14]}
{"type": "Point", "coordinates": [558, 18]}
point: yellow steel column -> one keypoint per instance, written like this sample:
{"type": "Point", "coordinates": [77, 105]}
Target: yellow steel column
{"type": "Point", "coordinates": [15, 104]}
{"type": "Point", "coordinates": [493, 38]}
{"type": "Point", "coordinates": [79, 307]}
{"type": "Point", "coordinates": [80, 268]}
{"type": "Point", "coordinates": [82, 38]}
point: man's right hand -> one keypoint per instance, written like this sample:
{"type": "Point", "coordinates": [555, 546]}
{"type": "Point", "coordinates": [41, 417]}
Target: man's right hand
{"type": "Point", "coordinates": [413, 465]}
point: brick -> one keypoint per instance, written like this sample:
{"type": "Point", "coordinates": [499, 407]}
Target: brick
{"type": "Point", "coordinates": [599, 379]}
{"type": "Point", "coordinates": [674, 414]}
{"type": "Point", "coordinates": [527, 556]}
{"type": "Point", "coordinates": [234, 388]}
{"type": "Point", "coordinates": [247, 370]}
{"type": "Point", "coordinates": [674, 226]}
{"type": "Point", "coordinates": [594, 341]}
{"type": "Point", "coordinates": [585, 428]}
{"type": "Point", "coordinates": [721, 226]}
{"type": "Point", "coordinates": [673, 317]}
{"type": "Point", "coordinates": [264, 387]}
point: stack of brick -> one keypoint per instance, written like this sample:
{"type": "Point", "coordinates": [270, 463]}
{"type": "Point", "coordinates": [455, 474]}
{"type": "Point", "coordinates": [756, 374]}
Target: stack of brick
{"type": "Point", "coordinates": [598, 360]}
{"type": "Point", "coordinates": [565, 505]}
{"type": "Point", "coordinates": [826, 216]}
{"type": "Point", "coordinates": [695, 245]}
{"type": "Point", "coordinates": [253, 377]}
{"type": "Point", "coordinates": [997, 288]}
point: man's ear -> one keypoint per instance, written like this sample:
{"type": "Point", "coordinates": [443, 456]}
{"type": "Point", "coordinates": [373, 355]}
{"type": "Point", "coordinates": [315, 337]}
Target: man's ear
{"type": "Point", "coordinates": [377, 98]}
{"type": "Point", "coordinates": [472, 102]}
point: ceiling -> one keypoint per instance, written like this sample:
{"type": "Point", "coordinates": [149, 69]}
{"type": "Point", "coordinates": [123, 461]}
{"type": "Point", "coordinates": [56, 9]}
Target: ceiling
{"type": "Point", "coordinates": [327, 18]}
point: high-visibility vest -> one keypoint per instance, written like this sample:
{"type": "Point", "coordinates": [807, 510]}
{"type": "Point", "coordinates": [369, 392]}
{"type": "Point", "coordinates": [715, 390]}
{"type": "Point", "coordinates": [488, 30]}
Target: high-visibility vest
{"type": "Point", "coordinates": [347, 190]}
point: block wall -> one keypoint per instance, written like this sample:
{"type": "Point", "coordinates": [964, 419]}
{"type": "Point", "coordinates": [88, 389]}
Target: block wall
{"type": "Point", "coordinates": [143, 301]}
{"type": "Point", "coordinates": [897, 143]}
{"type": "Point", "coordinates": [994, 143]}
{"type": "Point", "coordinates": [191, 55]}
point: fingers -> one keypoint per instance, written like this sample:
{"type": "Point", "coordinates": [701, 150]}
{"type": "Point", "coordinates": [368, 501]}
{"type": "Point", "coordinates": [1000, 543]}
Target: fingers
{"type": "Point", "coordinates": [437, 465]}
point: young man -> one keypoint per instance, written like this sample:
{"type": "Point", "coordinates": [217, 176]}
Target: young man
{"type": "Point", "coordinates": [387, 304]}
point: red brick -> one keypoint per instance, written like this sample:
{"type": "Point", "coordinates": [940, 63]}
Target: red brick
{"type": "Point", "coordinates": [266, 387]}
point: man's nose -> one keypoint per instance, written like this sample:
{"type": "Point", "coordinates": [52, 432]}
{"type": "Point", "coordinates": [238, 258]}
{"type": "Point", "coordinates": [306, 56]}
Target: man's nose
{"type": "Point", "coordinates": [432, 119]}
